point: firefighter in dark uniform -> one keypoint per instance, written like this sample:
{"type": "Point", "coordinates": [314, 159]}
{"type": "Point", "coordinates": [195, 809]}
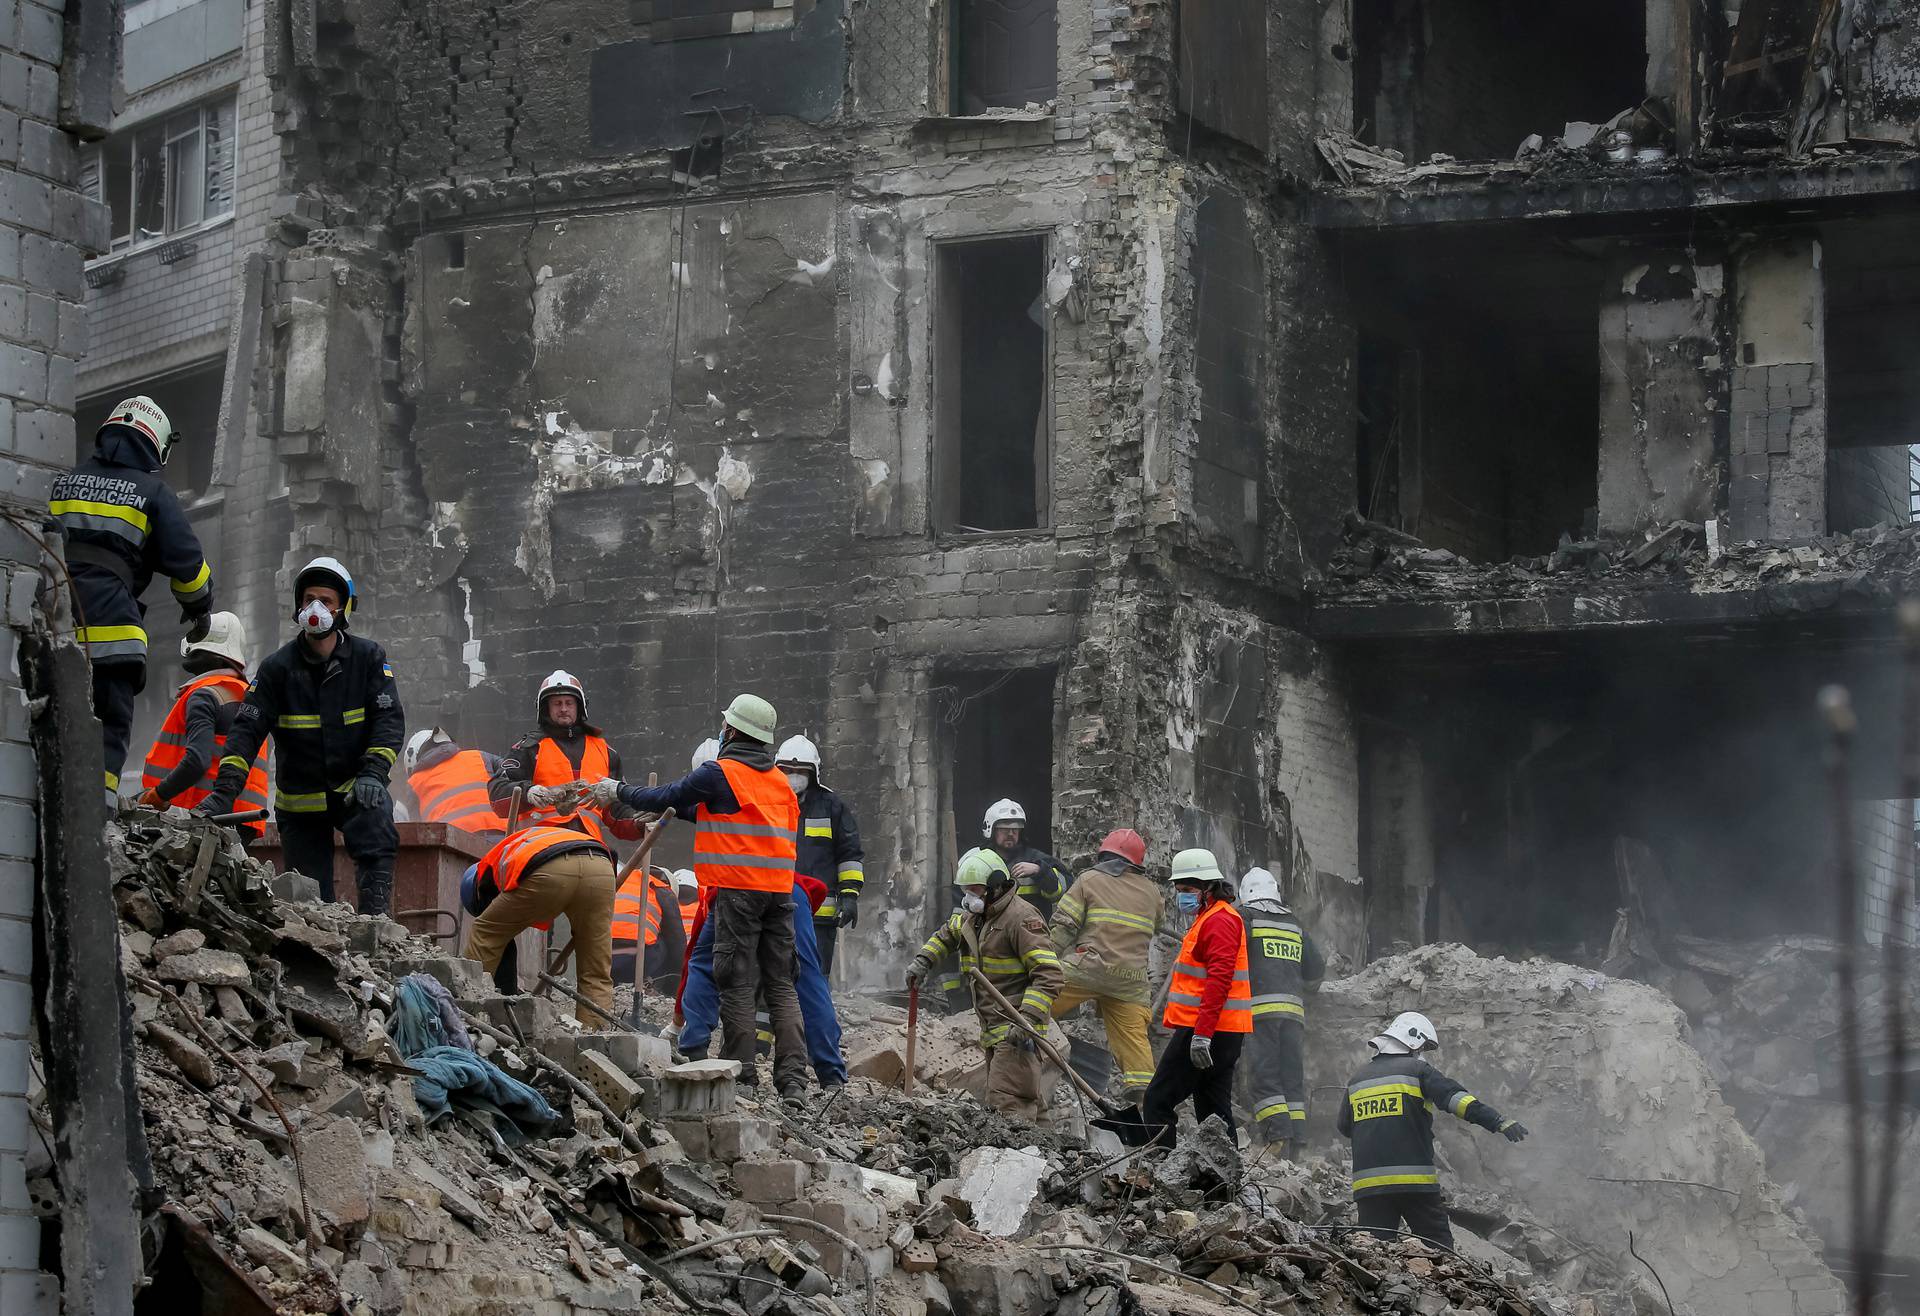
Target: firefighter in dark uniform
{"type": "Point", "coordinates": [1284, 965]}
{"type": "Point", "coordinates": [329, 701]}
{"type": "Point", "coordinates": [829, 848]}
{"type": "Point", "coordinates": [1388, 1112]}
{"type": "Point", "coordinates": [185, 759]}
{"type": "Point", "coordinates": [1039, 878]}
{"type": "Point", "coordinates": [566, 749]}
{"type": "Point", "coordinates": [122, 524]}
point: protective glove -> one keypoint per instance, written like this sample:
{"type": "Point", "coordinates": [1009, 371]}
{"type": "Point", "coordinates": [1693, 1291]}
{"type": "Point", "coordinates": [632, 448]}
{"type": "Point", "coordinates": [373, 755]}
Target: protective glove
{"type": "Point", "coordinates": [849, 915]}
{"type": "Point", "coordinates": [197, 626]}
{"type": "Point", "coordinates": [150, 799]}
{"type": "Point", "coordinates": [1025, 869]}
{"type": "Point", "coordinates": [671, 1031]}
{"type": "Point", "coordinates": [544, 797]}
{"type": "Point", "coordinates": [1024, 1044]}
{"type": "Point", "coordinates": [604, 793]}
{"type": "Point", "coordinates": [1200, 1052]}
{"type": "Point", "coordinates": [212, 807]}
{"type": "Point", "coordinates": [369, 792]}
{"type": "Point", "coordinates": [918, 970]}
{"type": "Point", "coordinates": [1513, 1130]}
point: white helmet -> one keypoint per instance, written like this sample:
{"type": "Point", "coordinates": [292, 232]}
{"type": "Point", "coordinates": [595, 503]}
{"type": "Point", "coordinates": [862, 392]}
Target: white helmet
{"type": "Point", "coordinates": [684, 878]}
{"type": "Point", "coordinates": [141, 416]}
{"type": "Point", "coordinates": [560, 682]}
{"type": "Point", "coordinates": [417, 745]}
{"type": "Point", "coordinates": [1002, 811]}
{"type": "Point", "coordinates": [226, 638]}
{"type": "Point", "coordinates": [706, 751]}
{"type": "Point", "coordinates": [1258, 884]}
{"type": "Point", "coordinates": [1413, 1031]}
{"type": "Point", "coordinates": [799, 752]}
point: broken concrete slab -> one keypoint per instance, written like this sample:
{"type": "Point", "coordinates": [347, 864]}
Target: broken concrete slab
{"type": "Point", "coordinates": [184, 942]}
{"type": "Point", "coordinates": [699, 1087]}
{"type": "Point", "coordinates": [339, 1180]}
{"type": "Point", "coordinates": [214, 968]}
{"type": "Point", "coordinates": [1001, 1185]}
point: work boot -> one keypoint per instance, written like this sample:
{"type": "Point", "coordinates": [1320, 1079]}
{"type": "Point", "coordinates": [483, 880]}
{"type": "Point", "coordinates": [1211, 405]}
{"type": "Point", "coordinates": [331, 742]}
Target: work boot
{"type": "Point", "coordinates": [1294, 1149]}
{"type": "Point", "coordinates": [376, 892]}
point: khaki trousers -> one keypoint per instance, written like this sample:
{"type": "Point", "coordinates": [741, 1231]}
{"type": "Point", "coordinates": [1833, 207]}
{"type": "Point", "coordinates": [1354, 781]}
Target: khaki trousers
{"type": "Point", "coordinates": [579, 885]}
{"type": "Point", "coordinates": [1126, 1024]}
{"type": "Point", "coordinates": [1014, 1080]}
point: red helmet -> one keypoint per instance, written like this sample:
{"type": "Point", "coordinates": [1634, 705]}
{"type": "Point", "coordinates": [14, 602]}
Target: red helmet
{"type": "Point", "coordinates": [1126, 843]}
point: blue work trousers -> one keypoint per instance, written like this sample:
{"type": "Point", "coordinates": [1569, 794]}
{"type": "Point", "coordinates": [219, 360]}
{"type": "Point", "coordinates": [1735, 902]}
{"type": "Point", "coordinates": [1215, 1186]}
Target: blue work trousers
{"type": "Point", "coordinates": [700, 1001]}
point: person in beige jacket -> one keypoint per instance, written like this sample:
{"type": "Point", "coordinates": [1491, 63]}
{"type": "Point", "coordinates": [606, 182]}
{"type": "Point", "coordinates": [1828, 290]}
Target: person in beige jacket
{"type": "Point", "coordinates": [1101, 929]}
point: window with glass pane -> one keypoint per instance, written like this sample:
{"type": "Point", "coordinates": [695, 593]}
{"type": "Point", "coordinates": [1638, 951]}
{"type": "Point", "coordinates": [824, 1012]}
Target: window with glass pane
{"type": "Point", "coordinates": [220, 148]}
{"type": "Point", "coordinates": [166, 177]}
{"type": "Point", "coordinates": [186, 171]}
{"type": "Point", "coordinates": [149, 183]}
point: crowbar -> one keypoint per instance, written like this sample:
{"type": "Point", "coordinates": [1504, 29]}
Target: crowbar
{"type": "Point", "coordinates": [913, 1034]}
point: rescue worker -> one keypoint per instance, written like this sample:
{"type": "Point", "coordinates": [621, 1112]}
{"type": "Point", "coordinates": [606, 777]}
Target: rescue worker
{"type": "Point", "coordinates": [121, 524]}
{"type": "Point", "coordinates": [449, 784]}
{"type": "Point", "coordinates": [525, 881]}
{"type": "Point", "coordinates": [829, 846]}
{"type": "Point", "coordinates": [1040, 878]}
{"type": "Point", "coordinates": [687, 891]}
{"type": "Point", "coordinates": [185, 759]}
{"type": "Point", "coordinates": [646, 908]}
{"type": "Point", "coordinates": [746, 819]}
{"type": "Point", "coordinates": [329, 700]}
{"type": "Point", "coordinates": [1284, 965]}
{"type": "Point", "coordinates": [565, 749]}
{"type": "Point", "coordinates": [996, 931]}
{"type": "Point", "coordinates": [1101, 930]}
{"type": "Point", "coordinates": [1388, 1114]}
{"type": "Point", "coordinates": [1209, 1004]}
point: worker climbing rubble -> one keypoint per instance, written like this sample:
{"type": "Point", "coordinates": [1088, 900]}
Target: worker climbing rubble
{"type": "Point", "coordinates": [552, 764]}
{"type": "Point", "coordinates": [1283, 965]}
{"type": "Point", "coordinates": [1039, 878]}
{"type": "Point", "coordinates": [746, 819]}
{"type": "Point", "coordinates": [1388, 1113]}
{"type": "Point", "coordinates": [122, 525]}
{"type": "Point", "coordinates": [530, 877]}
{"type": "Point", "coordinates": [997, 934]}
{"type": "Point", "coordinates": [449, 784]}
{"type": "Point", "coordinates": [1101, 930]}
{"type": "Point", "coordinates": [184, 762]}
{"type": "Point", "coordinates": [329, 699]}
{"type": "Point", "coordinates": [1209, 1002]}
{"type": "Point", "coordinates": [829, 846]}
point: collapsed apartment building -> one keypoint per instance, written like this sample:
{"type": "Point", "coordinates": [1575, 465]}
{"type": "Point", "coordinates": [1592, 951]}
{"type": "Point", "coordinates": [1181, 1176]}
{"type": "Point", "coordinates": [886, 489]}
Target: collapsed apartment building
{"type": "Point", "coordinates": [1434, 451]}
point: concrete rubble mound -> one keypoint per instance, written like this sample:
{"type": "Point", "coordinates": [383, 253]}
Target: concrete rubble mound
{"type": "Point", "coordinates": [309, 1155]}
{"type": "Point", "coordinates": [1634, 1150]}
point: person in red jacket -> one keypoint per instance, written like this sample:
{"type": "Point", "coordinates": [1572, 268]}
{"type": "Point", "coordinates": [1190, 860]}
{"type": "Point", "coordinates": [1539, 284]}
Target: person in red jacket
{"type": "Point", "coordinates": [1209, 1001]}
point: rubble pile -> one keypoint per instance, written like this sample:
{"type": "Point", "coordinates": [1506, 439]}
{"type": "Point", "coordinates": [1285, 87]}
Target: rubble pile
{"type": "Point", "coordinates": [1376, 562]}
{"type": "Point", "coordinates": [322, 1139]}
{"type": "Point", "coordinates": [1634, 1149]}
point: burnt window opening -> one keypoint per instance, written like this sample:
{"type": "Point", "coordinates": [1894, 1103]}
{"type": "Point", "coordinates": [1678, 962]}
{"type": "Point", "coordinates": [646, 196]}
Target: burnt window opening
{"type": "Point", "coordinates": [997, 729]}
{"type": "Point", "coordinates": [456, 251]}
{"type": "Point", "coordinates": [1002, 54]}
{"type": "Point", "coordinates": [990, 366]}
{"type": "Point", "coordinates": [1230, 455]}
{"type": "Point", "coordinates": [1475, 80]}
{"type": "Point", "coordinates": [1871, 277]}
{"type": "Point", "coordinates": [191, 399]}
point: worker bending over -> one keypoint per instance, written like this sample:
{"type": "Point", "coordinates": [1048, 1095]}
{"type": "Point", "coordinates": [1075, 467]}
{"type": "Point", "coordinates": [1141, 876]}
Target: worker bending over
{"type": "Point", "coordinates": [1101, 930]}
{"type": "Point", "coordinates": [1005, 938]}
{"type": "Point", "coordinates": [1039, 877]}
{"type": "Point", "coordinates": [646, 911]}
{"type": "Point", "coordinates": [1388, 1114]}
{"type": "Point", "coordinates": [184, 762]}
{"type": "Point", "coordinates": [329, 699]}
{"type": "Point", "coordinates": [525, 881]}
{"type": "Point", "coordinates": [121, 525]}
{"type": "Point", "coordinates": [449, 784]}
{"type": "Point", "coordinates": [829, 846]}
{"type": "Point", "coordinates": [1284, 965]}
{"type": "Point", "coordinates": [564, 750]}
{"type": "Point", "coordinates": [745, 819]}
{"type": "Point", "coordinates": [1209, 1006]}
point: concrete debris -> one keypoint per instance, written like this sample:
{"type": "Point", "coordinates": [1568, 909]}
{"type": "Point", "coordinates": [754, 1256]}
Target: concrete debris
{"type": "Point", "coordinates": [1000, 1184]}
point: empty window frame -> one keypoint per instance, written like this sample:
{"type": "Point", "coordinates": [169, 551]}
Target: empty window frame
{"type": "Point", "coordinates": [165, 176]}
{"type": "Point", "coordinates": [991, 372]}
{"type": "Point", "coordinates": [1002, 54]}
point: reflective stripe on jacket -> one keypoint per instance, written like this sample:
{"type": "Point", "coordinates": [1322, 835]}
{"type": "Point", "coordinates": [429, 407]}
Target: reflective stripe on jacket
{"type": "Point", "coordinates": [1102, 928]}
{"type": "Point", "coordinates": [170, 747]}
{"type": "Point", "coordinates": [829, 847]}
{"type": "Point", "coordinates": [628, 916]}
{"type": "Point", "coordinates": [1282, 959]}
{"type": "Point", "coordinates": [454, 791]}
{"type": "Point", "coordinates": [552, 767]}
{"type": "Point", "coordinates": [751, 849]}
{"type": "Point", "coordinates": [1009, 945]}
{"type": "Point", "coordinates": [1388, 1112]}
{"type": "Point", "coordinates": [1187, 1006]}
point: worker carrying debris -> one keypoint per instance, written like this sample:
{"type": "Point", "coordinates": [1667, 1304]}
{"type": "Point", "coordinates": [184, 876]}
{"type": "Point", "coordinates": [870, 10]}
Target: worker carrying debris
{"type": "Point", "coordinates": [566, 749]}
{"type": "Point", "coordinates": [746, 819]}
{"type": "Point", "coordinates": [645, 908]}
{"type": "Point", "coordinates": [1101, 930]}
{"type": "Point", "coordinates": [1209, 1001]}
{"type": "Point", "coordinates": [329, 699]}
{"type": "Point", "coordinates": [1040, 877]}
{"type": "Point", "coordinates": [527, 879]}
{"type": "Point", "coordinates": [1284, 965]}
{"type": "Point", "coordinates": [449, 784]}
{"type": "Point", "coordinates": [829, 847]}
{"type": "Point", "coordinates": [184, 762]}
{"type": "Point", "coordinates": [1388, 1114]}
{"type": "Point", "coordinates": [996, 932]}
{"type": "Point", "coordinates": [121, 524]}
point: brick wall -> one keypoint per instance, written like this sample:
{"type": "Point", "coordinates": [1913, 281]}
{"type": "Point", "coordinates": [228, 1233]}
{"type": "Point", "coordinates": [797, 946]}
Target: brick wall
{"type": "Point", "coordinates": [160, 316]}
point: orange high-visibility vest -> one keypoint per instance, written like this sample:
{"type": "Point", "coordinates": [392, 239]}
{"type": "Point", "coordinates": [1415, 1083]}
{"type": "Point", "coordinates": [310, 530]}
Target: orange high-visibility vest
{"type": "Point", "coordinates": [170, 746]}
{"type": "Point", "coordinates": [551, 767]}
{"type": "Point", "coordinates": [1190, 981]}
{"type": "Point", "coordinates": [628, 914]}
{"type": "Point", "coordinates": [454, 792]}
{"type": "Point", "coordinates": [516, 855]}
{"type": "Point", "coordinates": [753, 849]}
{"type": "Point", "coordinates": [689, 914]}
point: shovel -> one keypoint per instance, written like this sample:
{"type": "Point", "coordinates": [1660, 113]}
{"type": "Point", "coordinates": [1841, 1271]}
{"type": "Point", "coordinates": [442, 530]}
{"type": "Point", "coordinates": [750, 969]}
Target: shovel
{"type": "Point", "coordinates": [913, 1034]}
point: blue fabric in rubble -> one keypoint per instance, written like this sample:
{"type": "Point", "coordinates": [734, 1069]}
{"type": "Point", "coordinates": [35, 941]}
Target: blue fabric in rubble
{"type": "Point", "coordinates": [452, 1078]}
